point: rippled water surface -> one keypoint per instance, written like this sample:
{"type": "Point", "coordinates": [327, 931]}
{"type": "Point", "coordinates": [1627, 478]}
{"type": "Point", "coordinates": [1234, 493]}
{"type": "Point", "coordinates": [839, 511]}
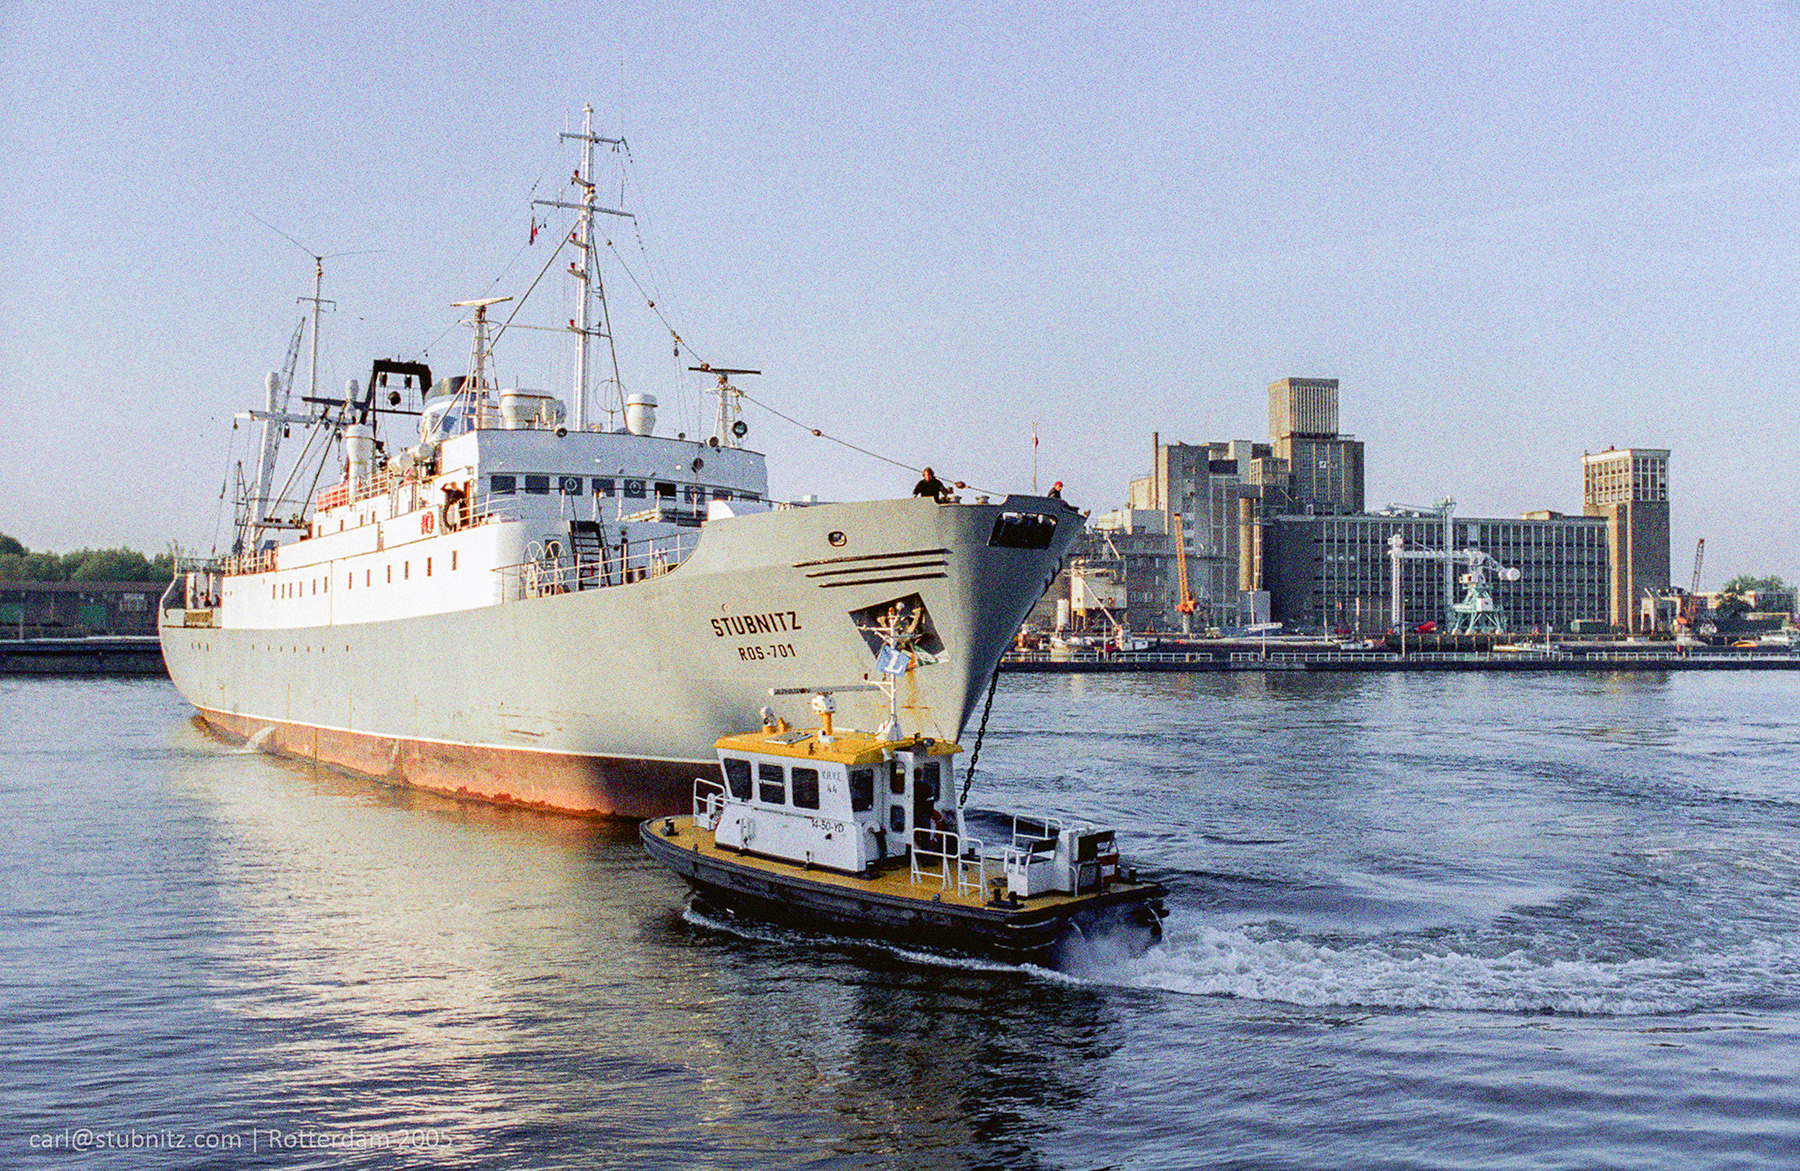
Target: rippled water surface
{"type": "Point", "coordinates": [1417, 922]}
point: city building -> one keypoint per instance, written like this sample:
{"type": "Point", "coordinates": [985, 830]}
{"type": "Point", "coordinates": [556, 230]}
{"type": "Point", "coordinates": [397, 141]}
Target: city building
{"type": "Point", "coordinates": [1325, 469]}
{"type": "Point", "coordinates": [1200, 491]}
{"type": "Point", "coordinates": [1629, 489]}
{"type": "Point", "coordinates": [1337, 572]}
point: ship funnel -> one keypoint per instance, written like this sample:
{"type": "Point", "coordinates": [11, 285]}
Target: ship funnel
{"type": "Point", "coordinates": [359, 451]}
{"type": "Point", "coordinates": [640, 414]}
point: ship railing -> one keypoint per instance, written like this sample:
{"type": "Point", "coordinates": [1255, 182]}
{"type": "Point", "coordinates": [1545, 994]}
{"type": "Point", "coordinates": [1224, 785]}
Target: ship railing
{"type": "Point", "coordinates": [709, 803]}
{"type": "Point", "coordinates": [565, 573]}
{"type": "Point", "coordinates": [949, 860]}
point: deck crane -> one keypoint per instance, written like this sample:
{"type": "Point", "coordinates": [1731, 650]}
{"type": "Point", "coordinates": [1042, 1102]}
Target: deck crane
{"type": "Point", "coordinates": [1185, 607]}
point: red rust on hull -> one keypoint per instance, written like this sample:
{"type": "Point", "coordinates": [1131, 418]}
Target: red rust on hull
{"type": "Point", "coordinates": [557, 782]}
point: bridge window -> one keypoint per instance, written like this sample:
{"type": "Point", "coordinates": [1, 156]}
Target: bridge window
{"type": "Point", "coordinates": [569, 485]}
{"type": "Point", "coordinates": [737, 778]}
{"type": "Point", "coordinates": [503, 485]}
{"type": "Point", "coordinates": [537, 485]}
{"type": "Point", "coordinates": [806, 788]}
{"type": "Point", "coordinates": [665, 491]}
{"type": "Point", "coordinates": [771, 786]}
{"type": "Point", "coordinates": [605, 486]}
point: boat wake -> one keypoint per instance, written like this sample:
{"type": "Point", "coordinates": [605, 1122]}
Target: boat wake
{"type": "Point", "coordinates": [1463, 972]}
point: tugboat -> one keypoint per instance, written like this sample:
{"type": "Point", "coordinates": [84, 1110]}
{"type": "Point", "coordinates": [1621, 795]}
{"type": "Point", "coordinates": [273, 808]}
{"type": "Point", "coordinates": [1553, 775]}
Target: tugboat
{"type": "Point", "coordinates": [864, 834]}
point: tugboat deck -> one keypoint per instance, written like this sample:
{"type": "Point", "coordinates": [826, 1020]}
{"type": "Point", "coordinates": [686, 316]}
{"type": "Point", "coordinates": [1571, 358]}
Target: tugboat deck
{"type": "Point", "coordinates": [892, 879]}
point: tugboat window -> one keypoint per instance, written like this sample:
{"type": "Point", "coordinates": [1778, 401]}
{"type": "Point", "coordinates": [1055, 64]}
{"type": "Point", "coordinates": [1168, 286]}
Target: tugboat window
{"type": "Point", "coordinates": [737, 778]}
{"type": "Point", "coordinates": [862, 790]}
{"type": "Point", "coordinates": [806, 788]}
{"type": "Point", "coordinates": [771, 787]}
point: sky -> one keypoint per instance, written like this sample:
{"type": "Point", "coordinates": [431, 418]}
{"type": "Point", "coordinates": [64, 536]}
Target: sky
{"type": "Point", "coordinates": [1514, 233]}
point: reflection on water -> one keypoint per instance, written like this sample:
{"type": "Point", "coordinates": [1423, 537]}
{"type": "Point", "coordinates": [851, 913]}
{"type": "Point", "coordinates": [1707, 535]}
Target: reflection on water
{"type": "Point", "coordinates": [1413, 918]}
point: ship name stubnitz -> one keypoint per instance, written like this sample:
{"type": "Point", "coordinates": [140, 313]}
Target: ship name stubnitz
{"type": "Point", "coordinates": [773, 622]}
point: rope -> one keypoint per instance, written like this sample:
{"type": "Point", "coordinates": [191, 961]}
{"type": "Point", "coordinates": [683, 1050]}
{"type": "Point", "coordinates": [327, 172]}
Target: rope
{"type": "Point", "coordinates": [817, 433]}
{"type": "Point", "coordinates": [980, 733]}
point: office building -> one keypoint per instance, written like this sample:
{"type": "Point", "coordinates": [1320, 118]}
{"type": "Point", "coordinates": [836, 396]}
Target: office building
{"type": "Point", "coordinates": [1336, 573]}
{"type": "Point", "coordinates": [1629, 489]}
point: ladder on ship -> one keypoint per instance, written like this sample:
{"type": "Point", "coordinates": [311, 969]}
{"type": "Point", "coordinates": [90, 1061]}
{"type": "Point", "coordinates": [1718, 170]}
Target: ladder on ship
{"type": "Point", "coordinates": [587, 541]}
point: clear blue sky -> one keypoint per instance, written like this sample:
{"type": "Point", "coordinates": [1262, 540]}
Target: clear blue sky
{"type": "Point", "coordinates": [1514, 232]}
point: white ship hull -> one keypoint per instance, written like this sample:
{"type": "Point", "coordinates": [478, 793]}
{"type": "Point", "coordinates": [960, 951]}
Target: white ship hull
{"type": "Point", "coordinates": [608, 700]}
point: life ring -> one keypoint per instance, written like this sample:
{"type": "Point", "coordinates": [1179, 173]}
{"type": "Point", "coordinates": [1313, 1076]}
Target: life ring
{"type": "Point", "coordinates": [452, 512]}
{"type": "Point", "coordinates": [428, 522]}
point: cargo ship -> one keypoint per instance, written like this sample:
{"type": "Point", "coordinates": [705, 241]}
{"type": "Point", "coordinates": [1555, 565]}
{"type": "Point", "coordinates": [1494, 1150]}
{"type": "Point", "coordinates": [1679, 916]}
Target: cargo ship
{"type": "Point", "coordinates": [496, 598]}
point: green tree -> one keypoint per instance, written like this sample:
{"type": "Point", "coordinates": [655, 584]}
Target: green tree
{"type": "Point", "coordinates": [1745, 583]}
{"type": "Point", "coordinates": [108, 565]}
{"type": "Point", "coordinates": [18, 563]}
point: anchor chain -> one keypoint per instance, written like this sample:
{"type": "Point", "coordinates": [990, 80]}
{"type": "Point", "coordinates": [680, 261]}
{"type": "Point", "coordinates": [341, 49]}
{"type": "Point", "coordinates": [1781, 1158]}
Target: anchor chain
{"type": "Point", "coordinates": [969, 777]}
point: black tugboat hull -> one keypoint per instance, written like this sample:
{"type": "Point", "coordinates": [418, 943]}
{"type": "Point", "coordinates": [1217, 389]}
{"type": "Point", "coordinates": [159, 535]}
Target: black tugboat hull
{"type": "Point", "coordinates": [1128, 914]}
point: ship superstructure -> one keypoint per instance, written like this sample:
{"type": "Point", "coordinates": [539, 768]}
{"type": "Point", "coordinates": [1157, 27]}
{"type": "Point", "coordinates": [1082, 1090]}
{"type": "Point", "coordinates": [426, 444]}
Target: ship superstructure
{"type": "Point", "coordinates": [501, 599]}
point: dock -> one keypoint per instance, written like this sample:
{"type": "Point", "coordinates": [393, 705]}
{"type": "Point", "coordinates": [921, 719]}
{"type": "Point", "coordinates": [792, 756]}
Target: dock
{"type": "Point", "coordinates": [1088, 662]}
{"type": "Point", "coordinates": [120, 654]}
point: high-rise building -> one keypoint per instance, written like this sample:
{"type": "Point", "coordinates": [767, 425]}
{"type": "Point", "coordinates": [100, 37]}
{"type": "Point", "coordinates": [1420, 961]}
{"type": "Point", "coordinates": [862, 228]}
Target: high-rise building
{"type": "Point", "coordinates": [1325, 469]}
{"type": "Point", "coordinates": [1629, 487]}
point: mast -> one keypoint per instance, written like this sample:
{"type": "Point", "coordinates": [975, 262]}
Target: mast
{"type": "Point", "coordinates": [587, 273]}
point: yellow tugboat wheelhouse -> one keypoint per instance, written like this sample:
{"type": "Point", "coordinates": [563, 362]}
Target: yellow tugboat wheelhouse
{"type": "Point", "coordinates": [864, 833]}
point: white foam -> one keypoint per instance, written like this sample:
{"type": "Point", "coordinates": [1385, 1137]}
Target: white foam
{"type": "Point", "coordinates": [1397, 973]}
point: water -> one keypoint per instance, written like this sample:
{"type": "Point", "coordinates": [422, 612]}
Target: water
{"type": "Point", "coordinates": [1417, 922]}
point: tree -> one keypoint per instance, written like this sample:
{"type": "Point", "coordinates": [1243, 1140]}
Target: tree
{"type": "Point", "coordinates": [1744, 584]}
{"type": "Point", "coordinates": [108, 565]}
{"type": "Point", "coordinates": [18, 563]}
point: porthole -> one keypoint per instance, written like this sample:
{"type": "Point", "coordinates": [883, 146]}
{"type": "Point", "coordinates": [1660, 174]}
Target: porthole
{"type": "Point", "coordinates": [836, 539]}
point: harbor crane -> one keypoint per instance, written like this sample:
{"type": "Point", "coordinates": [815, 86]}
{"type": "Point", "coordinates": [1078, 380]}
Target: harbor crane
{"type": "Point", "coordinates": [1185, 607]}
{"type": "Point", "coordinates": [1477, 611]}
{"type": "Point", "coordinates": [1445, 510]}
{"type": "Point", "coordinates": [1689, 616]}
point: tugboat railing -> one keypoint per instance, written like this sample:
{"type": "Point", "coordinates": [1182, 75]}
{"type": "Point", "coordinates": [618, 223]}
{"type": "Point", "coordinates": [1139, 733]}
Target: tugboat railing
{"type": "Point", "coordinates": [950, 859]}
{"type": "Point", "coordinates": [709, 803]}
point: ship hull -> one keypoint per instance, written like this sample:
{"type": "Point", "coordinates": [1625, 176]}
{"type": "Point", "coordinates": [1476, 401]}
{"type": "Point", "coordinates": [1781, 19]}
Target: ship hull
{"type": "Point", "coordinates": [607, 701]}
